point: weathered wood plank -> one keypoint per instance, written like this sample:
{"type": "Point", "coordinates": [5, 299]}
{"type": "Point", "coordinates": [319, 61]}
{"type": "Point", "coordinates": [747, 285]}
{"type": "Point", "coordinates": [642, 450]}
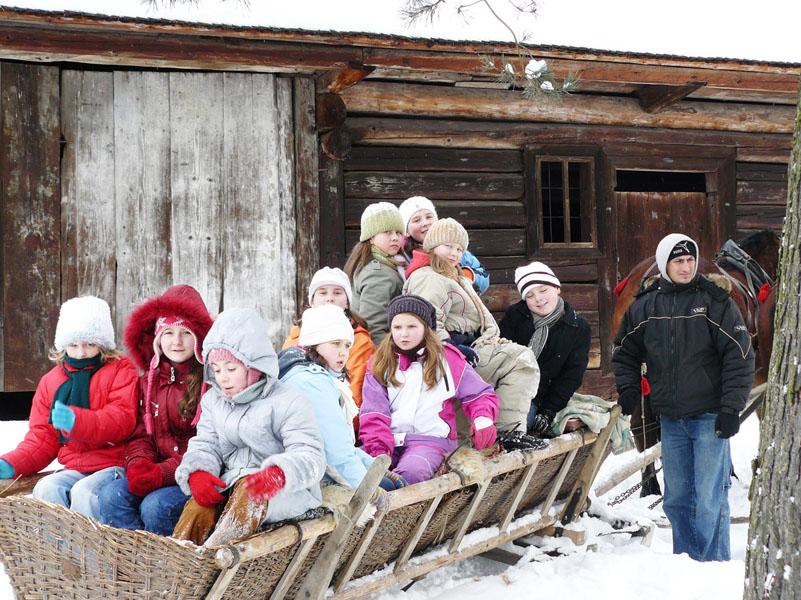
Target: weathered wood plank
{"type": "Point", "coordinates": [759, 216]}
{"type": "Point", "coordinates": [599, 383]}
{"type": "Point", "coordinates": [333, 245]}
{"type": "Point", "coordinates": [87, 185]}
{"type": "Point", "coordinates": [406, 158]}
{"type": "Point", "coordinates": [29, 221]}
{"type": "Point", "coordinates": [307, 202]}
{"type": "Point", "coordinates": [141, 188]}
{"type": "Point", "coordinates": [284, 157]}
{"type": "Point", "coordinates": [441, 101]}
{"type": "Point", "coordinates": [252, 233]}
{"type": "Point", "coordinates": [761, 172]}
{"type": "Point", "coordinates": [654, 98]}
{"type": "Point", "coordinates": [393, 131]}
{"type": "Point", "coordinates": [761, 192]}
{"type": "Point", "coordinates": [196, 172]}
{"type": "Point", "coordinates": [578, 270]}
{"type": "Point", "coordinates": [498, 242]}
{"type": "Point", "coordinates": [437, 186]}
{"type": "Point", "coordinates": [582, 296]}
{"type": "Point", "coordinates": [470, 213]}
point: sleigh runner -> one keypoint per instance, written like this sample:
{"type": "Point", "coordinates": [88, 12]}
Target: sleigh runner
{"type": "Point", "coordinates": [51, 552]}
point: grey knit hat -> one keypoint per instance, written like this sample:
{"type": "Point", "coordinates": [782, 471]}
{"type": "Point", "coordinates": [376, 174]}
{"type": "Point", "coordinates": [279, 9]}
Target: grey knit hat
{"type": "Point", "coordinates": [409, 303]}
{"type": "Point", "coordinates": [445, 231]}
{"type": "Point", "coordinates": [380, 217]}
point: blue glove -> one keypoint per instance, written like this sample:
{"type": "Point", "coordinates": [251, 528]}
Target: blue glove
{"type": "Point", "coordinates": [63, 417]}
{"type": "Point", "coordinates": [6, 470]}
{"type": "Point", "coordinates": [469, 354]}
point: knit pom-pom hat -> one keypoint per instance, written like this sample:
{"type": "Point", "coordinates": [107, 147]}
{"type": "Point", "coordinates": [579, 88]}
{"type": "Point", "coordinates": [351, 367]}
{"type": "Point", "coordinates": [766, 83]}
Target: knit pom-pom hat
{"type": "Point", "coordinates": [329, 276]}
{"type": "Point", "coordinates": [85, 319]}
{"type": "Point", "coordinates": [412, 205]}
{"type": "Point", "coordinates": [445, 231]}
{"type": "Point", "coordinates": [326, 323]}
{"type": "Point", "coordinates": [409, 303]}
{"type": "Point", "coordinates": [380, 217]}
{"type": "Point", "coordinates": [533, 274]}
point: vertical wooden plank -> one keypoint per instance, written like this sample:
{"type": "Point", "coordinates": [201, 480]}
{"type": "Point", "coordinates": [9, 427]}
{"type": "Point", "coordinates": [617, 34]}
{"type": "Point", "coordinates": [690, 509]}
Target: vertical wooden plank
{"type": "Point", "coordinates": [307, 203]}
{"type": "Point", "coordinates": [252, 195]}
{"type": "Point", "coordinates": [196, 146]}
{"type": "Point", "coordinates": [333, 250]}
{"type": "Point", "coordinates": [87, 185]}
{"type": "Point", "coordinates": [141, 187]}
{"type": "Point", "coordinates": [29, 221]}
{"type": "Point", "coordinates": [286, 194]}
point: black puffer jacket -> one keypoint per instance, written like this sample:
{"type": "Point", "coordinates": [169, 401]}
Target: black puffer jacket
{"type": "Point", "coordinates": [697, 350]}
{"type": "Point", "coordinates": [564, 358]}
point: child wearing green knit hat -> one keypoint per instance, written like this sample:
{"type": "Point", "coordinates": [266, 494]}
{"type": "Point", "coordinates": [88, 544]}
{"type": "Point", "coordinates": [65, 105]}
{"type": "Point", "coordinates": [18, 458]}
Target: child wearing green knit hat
{"type": "Point", "coordinates": [375, 266]}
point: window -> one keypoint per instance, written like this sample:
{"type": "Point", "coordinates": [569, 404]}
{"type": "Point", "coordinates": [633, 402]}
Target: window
{"type": "Point", "coordinates": [565, 192]}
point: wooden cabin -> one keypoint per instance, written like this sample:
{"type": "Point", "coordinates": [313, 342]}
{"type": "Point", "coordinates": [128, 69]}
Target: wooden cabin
{"type": "Point", "coordinates": [140, 153]}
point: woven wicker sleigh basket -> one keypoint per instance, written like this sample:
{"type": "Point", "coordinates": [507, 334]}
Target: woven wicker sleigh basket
{"type": "Point", "coordinates": [50, 552]}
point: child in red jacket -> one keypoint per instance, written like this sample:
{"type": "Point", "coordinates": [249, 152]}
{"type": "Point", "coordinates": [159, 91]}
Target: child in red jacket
{"type": "Point", "coordinates": [83, 410]}
{"type": "Point", "coordinates": [164, 336]}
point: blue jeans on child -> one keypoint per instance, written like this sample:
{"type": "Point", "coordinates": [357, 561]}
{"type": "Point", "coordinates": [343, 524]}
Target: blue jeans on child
{"type": "Point", "coordinates": [158, 512]}
{"type": "Point", "coordinates": [75, 490]}
{"type": "Point", "coordinates": [697, 467]}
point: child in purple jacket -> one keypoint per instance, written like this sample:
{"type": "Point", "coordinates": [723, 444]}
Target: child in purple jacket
{"type": "Point", "coordinates": [411, 391]}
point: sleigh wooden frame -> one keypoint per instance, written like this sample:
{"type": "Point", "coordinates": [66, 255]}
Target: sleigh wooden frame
{"type": "Point", "coordinates": [50, 552]}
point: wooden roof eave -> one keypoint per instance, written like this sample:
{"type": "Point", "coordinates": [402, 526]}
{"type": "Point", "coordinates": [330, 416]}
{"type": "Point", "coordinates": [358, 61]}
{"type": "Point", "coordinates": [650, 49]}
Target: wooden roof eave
{"type": "Point", "coordinates": [57, 37]}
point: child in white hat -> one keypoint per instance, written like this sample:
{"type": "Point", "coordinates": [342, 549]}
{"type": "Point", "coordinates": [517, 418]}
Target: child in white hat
{"type": "Point", "coordinates": [376, 266]}
{"type": "Point", "coordinates": [83, 409]}
{"type": "Point", "coordinates": [317, 368]}
{"type": "Point", "coordinates": [418, 214]}
{"type": "Point", "coordinates": [332, 286]}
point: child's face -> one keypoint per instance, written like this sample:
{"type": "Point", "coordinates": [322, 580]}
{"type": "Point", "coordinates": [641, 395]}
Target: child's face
{"type": "Point", "coordinates": [335, 354]}
{"type": "Point", "coordinates": [450, 252]}
{"type": "Point", "coordinates": [231, 376]}
{"type": "Point", "coordinates": [177, 344]}
{"type": "Point", "coordinates": [542, 299]}
{"type": "Point", "coordinates": [420, 223]}
{"type": "Point", "coordinates": [330, 294]}
{"type": "Point", "coordinates": [82, 350]}
{"type": "Point", "coordinates": [407, 331]}
{"type": "Point", "coordinates": [387, 241]}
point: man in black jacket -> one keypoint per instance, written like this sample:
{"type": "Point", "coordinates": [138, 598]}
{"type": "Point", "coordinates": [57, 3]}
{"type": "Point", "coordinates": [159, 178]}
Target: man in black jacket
{"type": "Point", "coordinates": [700, 367]}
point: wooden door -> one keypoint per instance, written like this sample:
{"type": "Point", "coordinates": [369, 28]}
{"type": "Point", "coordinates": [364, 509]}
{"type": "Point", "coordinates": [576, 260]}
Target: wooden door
{"type": "Point", "coordinates": [644, 218]}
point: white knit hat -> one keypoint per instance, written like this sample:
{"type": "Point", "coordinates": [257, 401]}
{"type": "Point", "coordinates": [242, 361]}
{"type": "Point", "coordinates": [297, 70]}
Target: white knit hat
{"type": "Point", "coordinates": [378, 218]}
{"type": "Point", "coordinates": [411, 205]}
{"type": "Point", "coordinates": [325, 323]}
{"type": "Point", "coordinates": [532, 274]}
{"type": "Point", "coordinates": [330, 276]}
{"type": "Point", "coordinates": [667, 249]}
{"type": "Point", "coordinates": [85, 319]}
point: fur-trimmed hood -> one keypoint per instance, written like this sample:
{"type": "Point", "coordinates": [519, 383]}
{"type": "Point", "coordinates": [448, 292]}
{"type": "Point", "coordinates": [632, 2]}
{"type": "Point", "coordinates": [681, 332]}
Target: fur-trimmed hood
{"type": "Point", "coordinates": [179, 300]}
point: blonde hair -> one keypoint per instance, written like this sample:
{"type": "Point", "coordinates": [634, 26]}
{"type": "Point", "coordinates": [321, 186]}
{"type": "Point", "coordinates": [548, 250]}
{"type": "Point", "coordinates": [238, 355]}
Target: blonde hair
{"type": "Point", "coordinates": [360, 255]}
{"type": "Point", "coordinates": [385, 362]}
{"type": "Point", "coordinates": [440, 266]}
{"type": "Point", "coordinates": [57, 356]}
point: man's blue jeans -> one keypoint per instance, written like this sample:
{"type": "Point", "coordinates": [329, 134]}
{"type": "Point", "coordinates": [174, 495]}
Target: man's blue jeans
{"type": "Point", "coordinates": [697, 468]}
{"type": "Point", "coordinates": [158, 512]}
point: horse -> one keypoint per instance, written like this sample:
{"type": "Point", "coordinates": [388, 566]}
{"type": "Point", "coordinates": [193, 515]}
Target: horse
{"type": "Point", "coordinates": [756, 305]}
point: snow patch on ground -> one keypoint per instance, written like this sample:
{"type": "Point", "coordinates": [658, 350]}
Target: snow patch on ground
{"type": "Point", "coordinates": [608, 565]}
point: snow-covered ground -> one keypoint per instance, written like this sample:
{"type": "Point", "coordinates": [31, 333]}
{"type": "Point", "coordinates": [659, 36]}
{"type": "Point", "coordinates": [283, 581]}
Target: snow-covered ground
{"type": "Point", "coordinates": [614, 566]}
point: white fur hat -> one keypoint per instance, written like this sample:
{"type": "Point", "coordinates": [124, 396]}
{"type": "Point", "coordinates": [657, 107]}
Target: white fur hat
{"type": "Point", "coordinates": [85, 319]}
{"type": "Point", "coordinates": [330, 276]}
{"type": "Point", "coordinates": [325, 323]}
{"type": "Point", "coordinates": [535, 273]}
{"type": "Point", "coordinates": [411, 205]}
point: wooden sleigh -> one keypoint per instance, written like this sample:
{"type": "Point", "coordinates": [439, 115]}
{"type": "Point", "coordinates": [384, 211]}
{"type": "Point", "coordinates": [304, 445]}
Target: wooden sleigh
{"type": "Point", "coordinates": [51, 552]}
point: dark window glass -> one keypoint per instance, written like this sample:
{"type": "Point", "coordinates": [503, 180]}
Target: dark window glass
{"type": "Point", "coordinates": [566, 212]}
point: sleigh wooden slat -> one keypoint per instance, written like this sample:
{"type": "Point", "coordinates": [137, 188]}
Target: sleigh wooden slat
{"type": "Point", "coordinates": [50, 551]}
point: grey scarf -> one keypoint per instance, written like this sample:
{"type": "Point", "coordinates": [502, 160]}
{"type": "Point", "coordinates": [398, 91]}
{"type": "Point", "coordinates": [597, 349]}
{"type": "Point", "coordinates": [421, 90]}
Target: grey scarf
{"type": "Point", "coordinates": [542, 325]}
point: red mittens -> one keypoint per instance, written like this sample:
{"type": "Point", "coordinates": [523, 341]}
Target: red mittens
{"type": "Point", "coordinates": [204, 488]}
{"type": "Point", "coordinates": [143, 477]}
{"type": "Point", "coordinates": [266, 483]}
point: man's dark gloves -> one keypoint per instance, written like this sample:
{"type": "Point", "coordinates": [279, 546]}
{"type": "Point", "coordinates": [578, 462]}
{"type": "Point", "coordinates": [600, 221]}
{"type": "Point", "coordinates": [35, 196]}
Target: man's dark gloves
{"type": "Point", "coordinates": [726, 425]}
{"type": "Point", "coordinates": [517, 440]}
{"type": "Point", "coordinates": [469, 354]}
{"type": "Point", "coordinates": [542, 421]}
{"type": "Point", "coordinates": [628, 400]}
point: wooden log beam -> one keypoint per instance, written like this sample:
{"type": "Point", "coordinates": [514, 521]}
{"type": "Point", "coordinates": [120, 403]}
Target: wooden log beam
{"type": "Point", "coordinates": [330, 111]}
{"type": "Point", "coordinates": [654, 98]}
{"type": "Point", "coordinates": [350, 74]}
{"type": "Point", "coordinates": [385, 131]}
{"type": "Point", "coordinates": [336, 144]}
{"type": "Point", "coordinates": [439, 101]}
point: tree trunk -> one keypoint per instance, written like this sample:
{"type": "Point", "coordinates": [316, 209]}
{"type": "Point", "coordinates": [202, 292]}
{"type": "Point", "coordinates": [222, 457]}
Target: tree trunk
{"type": "Point", "coordinates": [773, 560]}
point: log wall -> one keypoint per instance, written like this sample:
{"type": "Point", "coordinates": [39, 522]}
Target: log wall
{"type": "Point", "coordinates": [761, 197]}
{"type": "Point", "coordinates": [121, 183]}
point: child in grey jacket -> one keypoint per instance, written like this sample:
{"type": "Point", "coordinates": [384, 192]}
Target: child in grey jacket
{"type": "Point", "coordinates": [253, 429]}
